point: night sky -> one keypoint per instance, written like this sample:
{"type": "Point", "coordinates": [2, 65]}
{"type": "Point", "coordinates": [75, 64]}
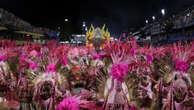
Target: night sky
{"type": "Point", "coordinates": [119, 15]}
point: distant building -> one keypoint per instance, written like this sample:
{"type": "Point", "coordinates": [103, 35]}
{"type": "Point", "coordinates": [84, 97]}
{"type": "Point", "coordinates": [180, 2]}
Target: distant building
{"type": "Point", "coordinates": [78, 39]}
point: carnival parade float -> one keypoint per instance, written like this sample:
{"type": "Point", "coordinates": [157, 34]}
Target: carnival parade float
{"type": "Point", "coordinates": [102, 75]}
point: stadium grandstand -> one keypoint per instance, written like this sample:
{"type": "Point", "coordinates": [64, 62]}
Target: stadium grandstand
{"type": "Point", "coordinates": [169, 29]}
{"type": "Point", "coordinates": [14, 28]}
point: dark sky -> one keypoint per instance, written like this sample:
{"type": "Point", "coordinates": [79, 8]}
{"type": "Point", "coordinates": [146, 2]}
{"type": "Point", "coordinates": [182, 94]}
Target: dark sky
{"type": "Point", "coordinates": [119, 15]}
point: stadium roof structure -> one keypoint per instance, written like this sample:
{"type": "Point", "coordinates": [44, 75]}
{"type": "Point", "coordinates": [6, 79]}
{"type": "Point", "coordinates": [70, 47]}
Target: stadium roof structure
{"type": "Point", "coordinates": [3, 28]}
{"type": "Point", "coordinates": [8, 21]}
{"type": "Point", "coordinates": [30, 33]}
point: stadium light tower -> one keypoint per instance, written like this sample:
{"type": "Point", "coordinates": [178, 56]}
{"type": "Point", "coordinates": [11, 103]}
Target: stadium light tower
{"type": "Point", "coordinates": [153, 17]}
{"type": "Point", "coordinates": [86, 29]}
{"type": "Point", "coordinates": [163, 12]}
{"type": "Point", "coordinates": [84, 24]}
{"type": "Point", "coordinates": [146, 21]}
{"type": "Point", "coordinates": [66, 20]}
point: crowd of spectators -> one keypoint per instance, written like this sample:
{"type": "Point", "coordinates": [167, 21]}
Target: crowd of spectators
{"type": "Point", "coordinates": [175, 27]}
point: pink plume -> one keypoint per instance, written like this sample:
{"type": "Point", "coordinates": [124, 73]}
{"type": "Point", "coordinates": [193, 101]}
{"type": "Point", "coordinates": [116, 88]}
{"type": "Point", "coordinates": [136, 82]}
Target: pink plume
{"type": "Point", "coordinates": [70, 103]}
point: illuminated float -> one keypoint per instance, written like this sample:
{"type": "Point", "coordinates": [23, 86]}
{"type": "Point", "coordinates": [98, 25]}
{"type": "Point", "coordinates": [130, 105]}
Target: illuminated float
{"type": "Point", "coordinates": [97, 37]}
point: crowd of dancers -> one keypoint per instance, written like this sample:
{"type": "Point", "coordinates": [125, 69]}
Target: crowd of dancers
{"type": "Point", "coordinates": [119, 76]}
